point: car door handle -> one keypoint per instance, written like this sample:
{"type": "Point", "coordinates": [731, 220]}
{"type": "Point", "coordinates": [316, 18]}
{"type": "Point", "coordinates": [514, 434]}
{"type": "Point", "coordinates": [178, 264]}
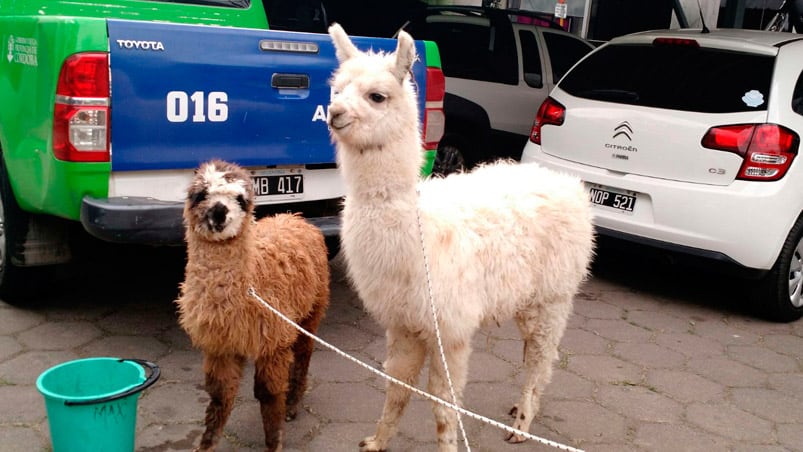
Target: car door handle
{"type": "Point", "coordinates": [290, 81]}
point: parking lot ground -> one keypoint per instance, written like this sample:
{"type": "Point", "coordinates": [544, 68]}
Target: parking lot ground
{"type": "Point", "coordinates": [655, 358]}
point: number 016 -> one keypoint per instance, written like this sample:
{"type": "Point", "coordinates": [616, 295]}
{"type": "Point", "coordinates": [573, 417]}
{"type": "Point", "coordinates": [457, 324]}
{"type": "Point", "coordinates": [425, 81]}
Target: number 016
{"type": "Point", "coordinates": [204, 107]}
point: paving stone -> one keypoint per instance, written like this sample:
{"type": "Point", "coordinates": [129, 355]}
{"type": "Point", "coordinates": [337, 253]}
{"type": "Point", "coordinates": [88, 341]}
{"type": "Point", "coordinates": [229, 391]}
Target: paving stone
{"type": "Point", "coordinates": [566, 385]}
{"type": "Point", "coordinates": [618, 331]}
{"type": "Point", "coordinates": [344, 437]}
{"type": "Point", "coordinates": [139, 347]}
{"type": "Point", "coordinates": [14, 320]}
{"type": "Point", "coordinates": [768, 404]}
{"type": "Point", "coordinates": [672, 437]}
{"type": "Point", "coordinates": [604, 369]}
{"type": "Point", "coordinates": [762, 357]}
{"type": "Point", "coordinates": [791, 436]}
{"type": "Point", "coordinates": [660, 322]}
{"type": "Point", "coordinates": [788, 345]}
{"type": "Point", "coordinates": [684, 386]}
{"type": "Point", "coordinates": [8, 347]}
{"type": "Point", "coordinates": [730, 422]}
{"type": "Point", "coordinates": [173, 402]}
{"type": "Point", "coordinates": [790, 384]}
{"type": "Point", "coordinates": [649, 355]}
{"type": "Point", "coordinates": [169, 437]}
{"type": "Point", "coordinates": [594, 309]}
{"type": "Point", "coordinates": [727, 372]}
{"type": "Point", "coordinates": [21, 439]}
{"type": "Point", "coordinates": [23, 405]}
{"type": "Point", "coordinates": [726, 333]}
{"type": "Point", "coordinates": [354, 401]}
{"type": "Point", "coordinates": [26, 367]}
{"type": "Point", "coordinates": [582, 342]}
{"type": "Point", "coordinates": [690, 344]}
{"type": "Point", "coordinates": [583, 421]}
{"type": "Point", "coordinates": [640, 403]}
{"type": "Point", "coordinates": [146, 322]}
{"type": "Point", "coordinates": [59, 335]}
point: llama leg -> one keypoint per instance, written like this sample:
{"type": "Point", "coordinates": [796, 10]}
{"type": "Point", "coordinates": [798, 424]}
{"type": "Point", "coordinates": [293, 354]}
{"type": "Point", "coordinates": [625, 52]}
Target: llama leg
{"type": "Point", "coordinates": [270, 388]}
{"type": "Point", "coordinates": [542, 328]}
{"type": "Point", "coordinates": [223, 374]}
{"type": "Point", "coordinates": [445, 418]}
{"type": "Point", "coordinates": [302, 351]}
{"type": "Point", "coordinates": [406, 354]}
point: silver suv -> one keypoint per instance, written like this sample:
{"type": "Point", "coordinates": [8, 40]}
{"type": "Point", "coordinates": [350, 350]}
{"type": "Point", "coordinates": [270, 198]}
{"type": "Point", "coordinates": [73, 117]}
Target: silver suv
{"type": "Point", "coordinates": [499, 67]}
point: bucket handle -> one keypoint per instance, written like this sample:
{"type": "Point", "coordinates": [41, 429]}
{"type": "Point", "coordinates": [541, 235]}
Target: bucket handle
{"type": "Point", "coordinates": [155, 373]}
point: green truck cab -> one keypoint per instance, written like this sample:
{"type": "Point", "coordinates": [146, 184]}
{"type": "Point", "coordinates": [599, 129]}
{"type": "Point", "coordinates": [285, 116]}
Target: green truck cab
{"type": "Point", "coordinates": [108, 106]}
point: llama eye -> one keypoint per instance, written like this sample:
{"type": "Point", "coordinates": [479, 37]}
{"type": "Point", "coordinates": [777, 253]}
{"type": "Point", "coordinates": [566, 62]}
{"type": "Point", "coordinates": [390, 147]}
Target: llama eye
{"type": "Point", "coordinates": [378, 98]}
{"type": "Point", "coordinates": [196, 198]}
{"type": "Point", "coordinates": [242, 202]}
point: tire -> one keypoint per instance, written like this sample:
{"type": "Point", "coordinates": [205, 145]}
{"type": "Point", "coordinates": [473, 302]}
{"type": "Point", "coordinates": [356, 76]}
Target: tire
{"type": "Point", "coordinates": [15, 281]}
{"type": "Point", "coordinates": [780, 292]}
{"type": "Point", "coordinates": [18, 284]}
{"type": "Point", "coordinates": [452, 157]}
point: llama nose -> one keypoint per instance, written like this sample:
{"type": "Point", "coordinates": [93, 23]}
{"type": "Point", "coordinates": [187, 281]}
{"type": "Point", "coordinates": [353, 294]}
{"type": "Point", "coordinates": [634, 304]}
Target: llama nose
{"type": "Point", "coordinates": [336, 116]}
{"type": "Point", "coordinates": [217, 216]}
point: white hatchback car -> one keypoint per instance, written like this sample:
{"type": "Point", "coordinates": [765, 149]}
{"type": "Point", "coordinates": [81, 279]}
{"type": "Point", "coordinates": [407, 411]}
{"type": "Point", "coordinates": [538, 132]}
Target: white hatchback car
{"type": "Point", "coordinates": [688, 142]}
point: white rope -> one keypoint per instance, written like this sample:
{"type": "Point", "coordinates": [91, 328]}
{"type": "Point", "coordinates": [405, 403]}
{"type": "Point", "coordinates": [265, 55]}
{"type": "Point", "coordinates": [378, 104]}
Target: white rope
{"type": "Point", "coordinates": [437, 327]}
{"type": "Point", "coordinates": [409, 387]}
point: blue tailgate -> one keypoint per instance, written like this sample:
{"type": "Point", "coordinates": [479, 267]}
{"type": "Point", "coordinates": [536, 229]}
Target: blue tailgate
{"type": "Point", "coordinates": [183, 94]}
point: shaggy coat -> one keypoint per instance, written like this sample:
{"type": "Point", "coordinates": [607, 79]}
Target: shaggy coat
{"type": "Point", "coordinates": [284, 259]}
{"type": "Point", "coordinates": [505, 241]}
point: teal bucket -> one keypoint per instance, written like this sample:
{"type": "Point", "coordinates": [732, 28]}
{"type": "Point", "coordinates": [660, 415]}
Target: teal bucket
{"type": "Point", "coordinates": [92, 403]}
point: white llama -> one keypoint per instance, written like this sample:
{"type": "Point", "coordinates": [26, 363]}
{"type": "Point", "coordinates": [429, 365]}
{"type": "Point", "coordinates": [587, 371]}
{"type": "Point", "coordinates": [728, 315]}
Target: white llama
{"type": "Point", "coordinates": [505, 241]}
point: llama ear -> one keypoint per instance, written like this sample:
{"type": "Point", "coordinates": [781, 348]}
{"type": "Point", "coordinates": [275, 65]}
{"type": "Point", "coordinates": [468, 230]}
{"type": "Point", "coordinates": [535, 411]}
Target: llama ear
{"type": "Point", "coordinates": [405, 56]}
{"type": "Point", "coordinates": [344, 48]}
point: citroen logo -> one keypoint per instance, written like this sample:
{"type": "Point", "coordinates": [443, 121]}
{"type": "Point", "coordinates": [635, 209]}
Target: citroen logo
{"type": "Point", "coordinates": [623, 129]}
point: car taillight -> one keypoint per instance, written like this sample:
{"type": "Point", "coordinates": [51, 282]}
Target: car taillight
{"type": "Point", "coordinates": [81, 113]}
{"type": "Point", "coordinates": [550, 112]}
{"type": "Point", "coordinates": [434, 119]}
{"type": "Point", "coordinates": [768, 149]}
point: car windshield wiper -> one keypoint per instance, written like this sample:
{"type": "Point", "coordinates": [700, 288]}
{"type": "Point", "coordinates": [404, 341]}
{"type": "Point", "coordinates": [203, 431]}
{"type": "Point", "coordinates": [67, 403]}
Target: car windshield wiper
{"type": "Point", "coordinates": [611, 94]}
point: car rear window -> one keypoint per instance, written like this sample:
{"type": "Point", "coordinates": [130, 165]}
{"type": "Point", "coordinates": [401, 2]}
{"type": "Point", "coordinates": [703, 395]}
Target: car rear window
{"type": "Point", "coordinates": [674, 77]}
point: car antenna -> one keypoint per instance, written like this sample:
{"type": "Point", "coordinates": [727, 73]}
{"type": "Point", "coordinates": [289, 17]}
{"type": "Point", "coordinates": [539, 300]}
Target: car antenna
{"type": "Point", "coordinates": [702, 19]}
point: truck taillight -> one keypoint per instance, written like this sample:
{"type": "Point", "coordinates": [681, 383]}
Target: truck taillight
{"type": "Point", "coordinates": [434, 119]}
{"type": "Point", "coordinates": [81, 113]}
{"type": "Point", "coordinates": [550, 112]}
{"type": "Point", "coordinates": [768, 149]}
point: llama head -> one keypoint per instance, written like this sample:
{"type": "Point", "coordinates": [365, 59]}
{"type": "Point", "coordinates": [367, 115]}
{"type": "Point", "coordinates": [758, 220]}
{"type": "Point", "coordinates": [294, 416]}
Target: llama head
{"type": "Point", "coordinates": [374, 103]}
{"type": "Point", "coordinates": [219, 201]}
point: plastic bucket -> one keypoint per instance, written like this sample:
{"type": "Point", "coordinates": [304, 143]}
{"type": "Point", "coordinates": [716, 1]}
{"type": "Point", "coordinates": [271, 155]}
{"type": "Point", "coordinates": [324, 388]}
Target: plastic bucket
{"type": "Point", "coordinates": [92, 403]}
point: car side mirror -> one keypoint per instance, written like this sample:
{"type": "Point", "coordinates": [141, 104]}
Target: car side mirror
{"type": "Point", "coordinates": [533, 80]}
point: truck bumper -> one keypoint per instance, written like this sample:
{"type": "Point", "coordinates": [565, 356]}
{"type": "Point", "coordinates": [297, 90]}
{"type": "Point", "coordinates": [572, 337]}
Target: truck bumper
{"type": "Point", "coordinates": [154, 222]}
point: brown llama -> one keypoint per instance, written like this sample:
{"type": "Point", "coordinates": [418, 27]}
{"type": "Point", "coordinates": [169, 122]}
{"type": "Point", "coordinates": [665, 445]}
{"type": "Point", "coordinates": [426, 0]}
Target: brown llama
{"type": "Point", "coordinates": [284, 259]}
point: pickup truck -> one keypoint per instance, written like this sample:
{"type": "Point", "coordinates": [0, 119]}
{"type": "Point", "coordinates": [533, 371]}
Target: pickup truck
{"type": "Point", "coordinates": [109, 105]}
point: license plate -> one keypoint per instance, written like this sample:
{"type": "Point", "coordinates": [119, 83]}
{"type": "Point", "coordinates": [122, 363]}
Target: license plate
{"type": "Point", "coordinates": [607, 197]}
{"type": "Point", "coordinates": [278, 184]}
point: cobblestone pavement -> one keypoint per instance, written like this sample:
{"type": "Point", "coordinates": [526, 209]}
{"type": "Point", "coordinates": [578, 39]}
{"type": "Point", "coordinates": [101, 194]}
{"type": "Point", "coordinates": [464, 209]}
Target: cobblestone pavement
{"type": "Point", "coordinates": [654, 358]}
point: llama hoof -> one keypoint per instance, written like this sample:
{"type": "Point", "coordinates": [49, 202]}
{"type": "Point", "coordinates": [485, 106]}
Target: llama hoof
{"type": "Point", "coordinates": [513, 438]}
{"type": "Point", "coordinates": [370, 444]}
{"type": "Point", "coordinates": [290, 415]}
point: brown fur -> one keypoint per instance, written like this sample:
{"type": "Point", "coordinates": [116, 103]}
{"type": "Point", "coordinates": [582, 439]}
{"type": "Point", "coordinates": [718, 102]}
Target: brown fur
{"type": "Point", "coordinates": [284, 259]}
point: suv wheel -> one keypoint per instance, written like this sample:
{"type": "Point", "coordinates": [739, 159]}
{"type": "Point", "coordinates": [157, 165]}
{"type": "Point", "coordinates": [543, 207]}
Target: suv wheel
{"type": "Point", "coordinates": [780, 294]}
{"type": "Point", "coordinates": [449, 159]}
